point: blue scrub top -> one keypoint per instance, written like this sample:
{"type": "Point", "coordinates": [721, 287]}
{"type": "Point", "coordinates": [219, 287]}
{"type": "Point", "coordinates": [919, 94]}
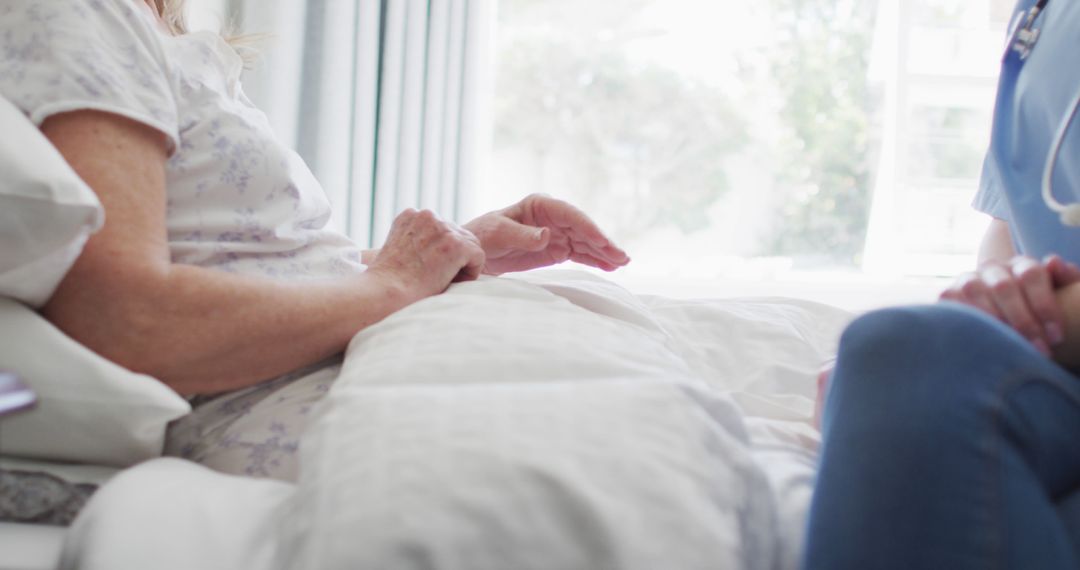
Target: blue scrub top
{"type": "Point", "coordinates": [1034, 97]}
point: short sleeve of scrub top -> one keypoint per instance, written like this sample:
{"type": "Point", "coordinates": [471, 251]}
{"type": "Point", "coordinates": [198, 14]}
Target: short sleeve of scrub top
{"type": "Point", "coordinates": [991, 199]}
{"type": "Point", "coordinates": [1035, 96]}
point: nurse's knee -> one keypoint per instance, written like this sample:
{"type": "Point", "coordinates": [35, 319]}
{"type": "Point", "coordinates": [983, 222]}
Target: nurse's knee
{"type": "Point", "coordinates": [906, 331]}
{"type": "Point", "coordinates": [917, 343]}
{"type": "Point", "coordinates": [898, 375]}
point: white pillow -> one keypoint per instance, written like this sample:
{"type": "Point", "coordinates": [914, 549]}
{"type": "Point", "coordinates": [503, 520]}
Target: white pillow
{"type": "Point", "coordinates": [89, 409]}
{"type": "Point", "coordinates": [46, 211]}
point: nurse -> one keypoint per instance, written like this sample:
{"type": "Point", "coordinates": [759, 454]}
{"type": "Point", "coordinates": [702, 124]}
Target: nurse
{"type": "Point", "coordinates": [952, 432]}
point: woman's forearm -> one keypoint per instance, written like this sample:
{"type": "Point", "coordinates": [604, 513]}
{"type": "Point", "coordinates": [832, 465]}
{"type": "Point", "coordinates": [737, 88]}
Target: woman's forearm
{"type": "Point", "coordinates": [996, 244]}
{"type": "Point", "coordinates": [198, 330]}
{"type": "Point", "coordinates": [206, 331]}
{"type": "Point", "coordinates": [201, 330]}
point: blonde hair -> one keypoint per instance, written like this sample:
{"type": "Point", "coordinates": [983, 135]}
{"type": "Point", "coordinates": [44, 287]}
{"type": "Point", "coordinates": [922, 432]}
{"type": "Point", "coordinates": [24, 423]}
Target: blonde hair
{"type": "Point", "coordinates": [172, 12]}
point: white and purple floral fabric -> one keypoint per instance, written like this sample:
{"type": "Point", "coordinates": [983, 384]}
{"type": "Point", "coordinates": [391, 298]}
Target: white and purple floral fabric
{"type": "Point", "coordinates": [254, 431]}
{"type": "Point", "coordinates": [238, 199]}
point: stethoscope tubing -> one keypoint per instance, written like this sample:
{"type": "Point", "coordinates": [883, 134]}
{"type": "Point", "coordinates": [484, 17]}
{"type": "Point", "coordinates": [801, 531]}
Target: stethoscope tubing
{"type": "Point", "coordinates": [1070, 215]}
{"type": "Point", "coordinates": [1022, 41]}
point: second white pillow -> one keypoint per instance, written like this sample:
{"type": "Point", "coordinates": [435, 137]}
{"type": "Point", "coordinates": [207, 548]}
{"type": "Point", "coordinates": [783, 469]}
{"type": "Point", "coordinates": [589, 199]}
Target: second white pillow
{"type": "Point", "coordinates": [46, 211]}
{"type": "Point", "coordinates": [89, 409]}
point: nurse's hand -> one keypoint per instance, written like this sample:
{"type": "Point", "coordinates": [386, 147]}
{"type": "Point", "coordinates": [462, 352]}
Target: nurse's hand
{"type": "Point", "coordinates": [540, 231]}
{"type": "Point", "coordinates": [1020, 293]}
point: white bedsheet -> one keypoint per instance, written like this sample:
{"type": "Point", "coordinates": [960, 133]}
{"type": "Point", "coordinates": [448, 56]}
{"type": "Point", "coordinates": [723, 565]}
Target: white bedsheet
{"type": "Point", "coordinates": [37, 546]}
{"type": "Point", "coordinates": [30, 546]}
{"type": "Point", "coordinates": [548, 421]}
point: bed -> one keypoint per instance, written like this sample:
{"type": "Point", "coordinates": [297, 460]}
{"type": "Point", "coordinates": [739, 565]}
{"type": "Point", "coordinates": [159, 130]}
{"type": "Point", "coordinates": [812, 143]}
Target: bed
{"type": "Point", "coordinates": [544, 420]}
{"type": "Point", "coordinates": [37, 546]}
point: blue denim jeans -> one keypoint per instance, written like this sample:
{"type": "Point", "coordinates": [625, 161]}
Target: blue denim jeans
{"type": "Point", "coordinates": [949, 442]}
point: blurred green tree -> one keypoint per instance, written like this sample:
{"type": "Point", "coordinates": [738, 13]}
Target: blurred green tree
{"type": "Point", "coordinates": [645, 144]}
{"type": "Point", "coordinates": [821, 67]}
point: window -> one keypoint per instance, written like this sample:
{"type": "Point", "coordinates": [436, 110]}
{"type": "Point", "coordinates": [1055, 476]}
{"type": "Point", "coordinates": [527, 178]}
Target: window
{"type": "Point", "coordinates": [939, 68]}
{"type": "Point", "coordinates": [754, 140]}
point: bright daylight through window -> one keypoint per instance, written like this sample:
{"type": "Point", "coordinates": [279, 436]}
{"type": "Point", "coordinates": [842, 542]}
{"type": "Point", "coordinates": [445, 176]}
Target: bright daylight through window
{"type": "Point", "coordinates": [759, 141]}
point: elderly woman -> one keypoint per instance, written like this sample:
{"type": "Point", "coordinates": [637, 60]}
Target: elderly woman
{"type": "Point", "coordinates": [217, 268]}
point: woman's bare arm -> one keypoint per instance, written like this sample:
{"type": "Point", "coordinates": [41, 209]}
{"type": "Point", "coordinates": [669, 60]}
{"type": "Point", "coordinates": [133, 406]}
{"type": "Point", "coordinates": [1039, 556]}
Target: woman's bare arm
{"type": "Point", "coordinates": [200, 330]}
{"type": "Point", "coordinates": [996, 244]}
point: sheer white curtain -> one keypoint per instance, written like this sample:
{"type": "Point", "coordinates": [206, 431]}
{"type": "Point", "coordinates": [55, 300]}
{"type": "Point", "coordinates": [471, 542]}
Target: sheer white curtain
{"type": "Point", "coordinates": [385, 99]}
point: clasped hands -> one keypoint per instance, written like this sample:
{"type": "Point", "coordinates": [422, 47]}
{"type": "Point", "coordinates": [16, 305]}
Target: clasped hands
{"type": "Point", "coordinates": [1022, 293]}
{"type": "Point", "coordinates": [424, 254]}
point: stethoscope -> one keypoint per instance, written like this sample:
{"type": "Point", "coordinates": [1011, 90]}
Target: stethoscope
{"type": "Point", "coordinates": [1022, 41]}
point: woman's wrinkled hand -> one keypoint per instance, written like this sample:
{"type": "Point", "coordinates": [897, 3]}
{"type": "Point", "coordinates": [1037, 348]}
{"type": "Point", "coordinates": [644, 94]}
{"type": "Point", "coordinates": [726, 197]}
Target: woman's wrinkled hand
{"type": "Point", "coordinates": [424, 254]}
{"type": "Point", "coordinates": [540, 231]}
{"type": "Point", "coordinates": [1020, 293]}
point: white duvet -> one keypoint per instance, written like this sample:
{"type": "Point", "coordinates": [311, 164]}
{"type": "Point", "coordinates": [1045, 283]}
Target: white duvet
{"type": "Point", "coordinates": [546, 421]}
